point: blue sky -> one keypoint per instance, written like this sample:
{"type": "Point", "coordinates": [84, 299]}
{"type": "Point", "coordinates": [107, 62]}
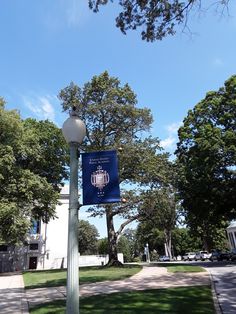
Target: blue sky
{"type": "Point", "coordinates": [47, 44]}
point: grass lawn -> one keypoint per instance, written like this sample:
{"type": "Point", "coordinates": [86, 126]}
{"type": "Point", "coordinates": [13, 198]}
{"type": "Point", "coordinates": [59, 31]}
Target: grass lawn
{"type": "Point", "coordinates": [174, 268]}
{"type": "Point", "coordinates": [187, 300]}
{"type": "Point", "coordinates": [57, 277]}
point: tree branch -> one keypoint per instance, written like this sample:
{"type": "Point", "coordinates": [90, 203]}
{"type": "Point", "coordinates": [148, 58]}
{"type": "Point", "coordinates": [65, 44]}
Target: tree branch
{"type": "Point", "coordinates": [122, 226]}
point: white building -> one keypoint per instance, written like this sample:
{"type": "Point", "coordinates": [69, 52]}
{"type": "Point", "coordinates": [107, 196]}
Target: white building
{"type": "Point", "coordinates": [47, 245]}
{"type": "Point", "coordinates": [231, 232]}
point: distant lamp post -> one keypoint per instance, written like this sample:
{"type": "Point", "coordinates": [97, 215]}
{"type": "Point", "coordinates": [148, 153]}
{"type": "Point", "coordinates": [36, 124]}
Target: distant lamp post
{"type": "Point", "coordinates": [74, 131]}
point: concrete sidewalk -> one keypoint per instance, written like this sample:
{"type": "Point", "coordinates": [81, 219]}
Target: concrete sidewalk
{"type": "Point", "coordinates": [14, 299]}
{"type": "Point", "coordinates": [12, 294]}
{"type": "Point", "coordinates": [148, 278]}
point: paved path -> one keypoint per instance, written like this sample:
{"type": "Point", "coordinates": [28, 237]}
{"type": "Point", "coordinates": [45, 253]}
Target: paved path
{"type": "Point", "coordinates": [12, 294]}
{"type": "Point", "coordinates": [224, 280]}
{"type": "Point", "coordinates": [14, 299]}
{"type": "Point", "coordinates": [147, 278]}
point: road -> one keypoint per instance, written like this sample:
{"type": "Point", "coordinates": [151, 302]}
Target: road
{"type": "Point", "coordinates": [224, 278]}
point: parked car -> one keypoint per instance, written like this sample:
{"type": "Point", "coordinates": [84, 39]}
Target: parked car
{"type": "Point", "coordinates": [215, 256]}
{"type": "Point", "coordinates": [202, 256]}
{"type": "Point", "coordinates": [224, 256]}
{"type": "Point", "coordinates": [164, 258]}
{"type": "Point", "coordinates": [220, 256]}
{"type": "Point", "coordinates": [190, 256]}
{"type": "Point", "coordinates": [233, 255]}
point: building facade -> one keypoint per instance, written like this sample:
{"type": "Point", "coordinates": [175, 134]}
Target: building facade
{"type": "Point", "coordinates": [231, 233]}
{"type": "Point", "coordinates": [46, 245]}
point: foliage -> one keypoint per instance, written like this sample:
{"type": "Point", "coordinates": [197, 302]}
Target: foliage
{"type": "Point", "coordinates": [156, 18]}
{"type": "Point", "coordinates": [108, 110]}
{"type": "Point", "coordinates": [159, 208]}
{"type": "Point", "coordinates": [184, 241]}
{"type": "Point", "coordinates": [162, 207]}
{"type": "Point", "coordinates": [131, 236]}
{"type": "Point", "coordinates": [219, 238]}
{"type": "Point", "coordinates": [103, 248]}
{"type": "Point", "coordinates": [123, 246]}
{"type": "Point", "coordinates": [33, 159]}
{"type": "Point", "coordinates": [113, 121]}
{"type": "Point", "coordinates": [88, 238]}
{"type": "Point", "coordinates": [148, 233]}
{"type": "Point", "coordinates": [206, 155]}
{"type": "Point", "coordinates": [52, 156]}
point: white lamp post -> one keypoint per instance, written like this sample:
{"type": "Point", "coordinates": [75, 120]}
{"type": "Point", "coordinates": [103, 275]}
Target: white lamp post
{"type": "Point", "coordinates": [74, 131]}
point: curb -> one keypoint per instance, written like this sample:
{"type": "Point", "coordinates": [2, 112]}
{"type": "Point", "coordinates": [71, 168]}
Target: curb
{"type": "Point", "coordinates": [24, 303]}
{"type": "Point", "coordinates": [24, 306]}
{"type": "Point", "coordinates": [216, 302]}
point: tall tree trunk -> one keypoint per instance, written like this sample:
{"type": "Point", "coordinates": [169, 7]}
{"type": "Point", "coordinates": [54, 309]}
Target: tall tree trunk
{"type": "Point", "coordinates": [205, 237]}
{"type": "Point", "coordinates": [167, 234]}
{"type": "Point", "coordinates": [112, 239]}
{"type": "Point", "coordinates": [205, 240]}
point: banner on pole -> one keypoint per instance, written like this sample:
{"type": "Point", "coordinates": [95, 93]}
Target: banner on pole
{"type": "Point", "coordinates": [100, 177]}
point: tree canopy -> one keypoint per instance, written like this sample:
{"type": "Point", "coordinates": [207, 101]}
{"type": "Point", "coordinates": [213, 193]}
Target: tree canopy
{"type": "Point", "coordinates": [156, 18]}
{"type": "Point", "coordinates": [33, 159]}
{"type": "Point", "coordinates": [88, 237]}
{"type": "Point", "coordinates": [114, 121]}
{"type": "Point", "coordinates": [108, 110]}
{"type": "Point", "coordinates": [206, 155]}
{"type": "Point", "coordinates": [160, 212]}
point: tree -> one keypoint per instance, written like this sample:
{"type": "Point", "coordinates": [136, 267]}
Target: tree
{"type": "Point", "coordinates": [103, 246]}
{"type": "Point", "coordinates": [148, 233]}
{"type": "Point", "coordinates": [160, 210]}
{"type": "Point", "coordinates": [130, 235]}
{"type": "Point", "coordinates": [108, 110]}
{"type": "Point", "coordinates": [123, 246]}
{"type": "Point", "coordinates": [52, 157]}
{"type": "Point", "coordinates": [113, 122]}
{"type": "Point", "coordinates": [156, 18]}
{"type": "Point", "coordinates": [88, 238]}
{"type": "Point", "coordinates": [141, 166]}
{"type": "Point", "coordinates": [184, 241]}
{"type": "Point", "coordinates": [33, 159]}
{"type": "Point", "coordinates": [187, 240]}
{"type": "Point", "coordinates": [206, 155]}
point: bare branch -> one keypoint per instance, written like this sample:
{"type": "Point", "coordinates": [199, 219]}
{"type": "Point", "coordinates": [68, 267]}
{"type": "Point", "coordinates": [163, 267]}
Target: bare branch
{"type": "Point", "coordinates": [123, 225]}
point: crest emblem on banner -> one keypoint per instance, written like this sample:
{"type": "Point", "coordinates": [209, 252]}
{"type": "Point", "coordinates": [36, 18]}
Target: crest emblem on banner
{"type": "Point", "coordinates": [100, 178]}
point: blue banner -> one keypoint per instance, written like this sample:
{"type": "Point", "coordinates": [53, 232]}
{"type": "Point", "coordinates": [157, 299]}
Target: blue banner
{"type": "Point", "coordinates": [100, 177]}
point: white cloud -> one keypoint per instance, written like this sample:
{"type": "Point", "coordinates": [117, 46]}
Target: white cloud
{"type": "Point", "coordinates": [173, 128]}
{"type": "Point", "coordinates": [67, 14]}
{"type": "Point", "coordinates": [169, 142]}
{"type": "Point", "coordinates": [41, 106]}
{"type": "Point", "coordinates": [47, 108]}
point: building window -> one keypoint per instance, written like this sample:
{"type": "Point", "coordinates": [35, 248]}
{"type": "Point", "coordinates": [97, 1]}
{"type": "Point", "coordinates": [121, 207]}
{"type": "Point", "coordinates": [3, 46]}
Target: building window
{"type": "Point", "coordinates": [33, 246]}
{"type": "Point", "coordinates": [3, 248]}
{"type": "Point", "coordinates": [35, 229]}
